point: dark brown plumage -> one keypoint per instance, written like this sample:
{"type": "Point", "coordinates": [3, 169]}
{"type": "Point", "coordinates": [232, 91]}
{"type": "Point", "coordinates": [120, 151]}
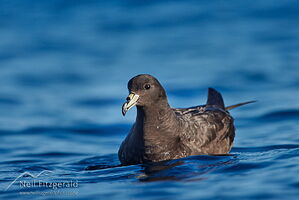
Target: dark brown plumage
{"type": "Point", "coordinates": [163, 133]}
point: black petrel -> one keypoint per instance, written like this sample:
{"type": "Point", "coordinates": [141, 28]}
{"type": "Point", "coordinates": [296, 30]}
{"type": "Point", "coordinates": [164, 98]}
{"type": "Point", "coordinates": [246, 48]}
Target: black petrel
{"type": "Point", "coordinates": [164, 133]}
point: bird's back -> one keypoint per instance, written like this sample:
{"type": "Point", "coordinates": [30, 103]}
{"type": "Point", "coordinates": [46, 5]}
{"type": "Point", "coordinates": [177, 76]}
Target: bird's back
{"type": "Point", "coordinates": [206, 130]}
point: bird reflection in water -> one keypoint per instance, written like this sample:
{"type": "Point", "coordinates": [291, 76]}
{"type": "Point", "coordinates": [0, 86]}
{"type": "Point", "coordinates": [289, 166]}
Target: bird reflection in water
{"type": "Point", "coordinates": [189, 169]}
{"type": "Point", "coordinates": [192, 168]}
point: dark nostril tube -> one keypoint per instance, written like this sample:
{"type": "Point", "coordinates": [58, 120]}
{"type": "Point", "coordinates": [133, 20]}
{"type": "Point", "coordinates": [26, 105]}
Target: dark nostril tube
{"type": "Point", "coordinates": [128, 98]}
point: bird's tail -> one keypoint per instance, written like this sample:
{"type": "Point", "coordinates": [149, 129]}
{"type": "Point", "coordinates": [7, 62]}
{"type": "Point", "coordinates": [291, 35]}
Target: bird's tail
{"type": "Point", "coordinates": [238, 105]}
{"type": "Point", "coordinates": [215, 99]}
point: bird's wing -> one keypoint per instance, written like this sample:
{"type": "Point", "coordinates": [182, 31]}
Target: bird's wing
{"type": "Point", "coordinates": [206, 130]}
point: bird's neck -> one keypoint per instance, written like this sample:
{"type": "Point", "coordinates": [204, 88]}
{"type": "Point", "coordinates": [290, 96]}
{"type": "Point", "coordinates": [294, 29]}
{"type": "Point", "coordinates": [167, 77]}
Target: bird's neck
{"type": "Point", "coordinates": [156, 119]}
{"type": "Point", "coordinates": [157, 127]}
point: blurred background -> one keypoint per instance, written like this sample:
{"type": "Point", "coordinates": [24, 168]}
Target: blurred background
{"type": "Point", "coordinates": [64, 67]}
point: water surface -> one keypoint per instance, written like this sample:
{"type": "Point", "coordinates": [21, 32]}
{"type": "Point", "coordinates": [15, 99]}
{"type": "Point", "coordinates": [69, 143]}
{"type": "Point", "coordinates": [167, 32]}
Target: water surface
{"type": "Point", "coordinates": [63, 75]}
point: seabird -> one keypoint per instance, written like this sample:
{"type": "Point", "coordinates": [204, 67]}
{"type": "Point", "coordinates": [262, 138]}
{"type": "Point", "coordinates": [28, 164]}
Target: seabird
{"type": "Point", "coordinates": [164, 133]}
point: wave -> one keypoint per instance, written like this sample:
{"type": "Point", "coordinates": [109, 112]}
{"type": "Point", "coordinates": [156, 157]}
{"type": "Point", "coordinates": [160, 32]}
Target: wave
{"type": "Point", "coordinates": [279, 115]}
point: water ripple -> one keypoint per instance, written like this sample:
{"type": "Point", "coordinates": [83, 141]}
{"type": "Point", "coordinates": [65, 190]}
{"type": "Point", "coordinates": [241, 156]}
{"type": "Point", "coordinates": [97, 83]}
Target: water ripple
{"type": "Point", "coordinates": [83, 129]}
{"type": "Point", "coordinates": [280, 115]}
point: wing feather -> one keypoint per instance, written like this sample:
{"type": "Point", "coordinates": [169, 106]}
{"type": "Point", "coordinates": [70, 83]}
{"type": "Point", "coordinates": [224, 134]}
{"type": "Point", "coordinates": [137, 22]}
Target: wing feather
{"type": "Point", "coordinates": [206, 130]}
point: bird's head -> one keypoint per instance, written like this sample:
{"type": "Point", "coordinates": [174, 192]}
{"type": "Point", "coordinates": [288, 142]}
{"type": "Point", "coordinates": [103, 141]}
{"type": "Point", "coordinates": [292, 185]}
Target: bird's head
{"type": "Point", "coordinates": [144, 90]}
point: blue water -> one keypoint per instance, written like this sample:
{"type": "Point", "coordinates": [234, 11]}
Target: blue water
{"type": "Point", "coordinates": [64, 66]}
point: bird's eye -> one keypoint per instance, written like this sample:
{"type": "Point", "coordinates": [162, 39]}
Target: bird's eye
{"type": "Point", "coordinates": [147, 86]}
